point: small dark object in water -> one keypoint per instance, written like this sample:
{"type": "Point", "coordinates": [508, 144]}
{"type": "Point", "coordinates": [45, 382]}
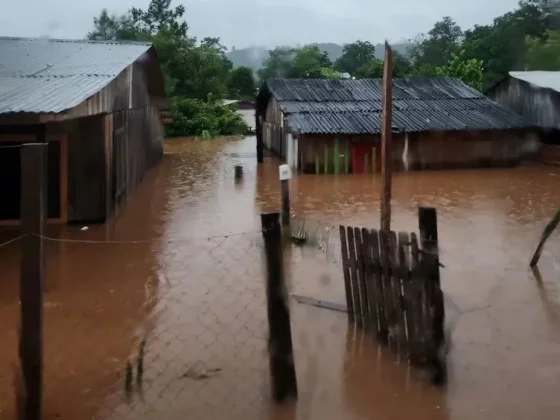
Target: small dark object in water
{"type": "Point", "coordinates": [439, 372]}
{"type": "Point", "coordinates": [238, 172]}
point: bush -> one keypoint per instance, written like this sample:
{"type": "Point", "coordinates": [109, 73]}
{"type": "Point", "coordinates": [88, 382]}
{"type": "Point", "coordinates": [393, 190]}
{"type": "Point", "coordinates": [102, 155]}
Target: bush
{"type": "Point", "coordinates": [195, 117]}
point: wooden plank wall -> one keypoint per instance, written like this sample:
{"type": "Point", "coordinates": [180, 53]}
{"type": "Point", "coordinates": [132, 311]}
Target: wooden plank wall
{"type": "Point", "coordinates": [86, 170]}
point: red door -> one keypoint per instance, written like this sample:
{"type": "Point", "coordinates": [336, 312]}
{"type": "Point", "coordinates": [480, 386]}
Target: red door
{"type": "Point", "coordinates": [362, 159]}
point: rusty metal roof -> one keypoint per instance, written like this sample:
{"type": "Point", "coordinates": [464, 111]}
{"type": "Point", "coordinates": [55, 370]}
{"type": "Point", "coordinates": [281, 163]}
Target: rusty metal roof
{"type": "Point", "coordinates": [53, 75]}
{"type": "Point", "coordinates": [354, 106]}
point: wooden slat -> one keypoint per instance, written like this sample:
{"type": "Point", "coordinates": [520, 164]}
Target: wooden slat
{"type": "Point", "coordinates": [400, 330]}
{"type": "Point", "coordinates": [418, 303]}
{"type": "Point", "coordinates": [385, 254]}
{"type": "Point", "coordinates": [362, 278]}
{"type": "Point", "coordinates": [404, 259]}
{"type": "Point", "coordinates": [379, 287]}
{"type": "Point", "coordinates": [354, 281]}
{"type": "Point", "coordinates": [346, 270]}
{"type": "Point", "coordinates": [369, 280]}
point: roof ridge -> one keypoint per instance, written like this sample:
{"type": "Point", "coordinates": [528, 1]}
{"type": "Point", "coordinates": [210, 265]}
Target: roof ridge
{"type": "Point", "coordinates": [54, 76]}
{"type": "Point", "coordinates": [77, 41]}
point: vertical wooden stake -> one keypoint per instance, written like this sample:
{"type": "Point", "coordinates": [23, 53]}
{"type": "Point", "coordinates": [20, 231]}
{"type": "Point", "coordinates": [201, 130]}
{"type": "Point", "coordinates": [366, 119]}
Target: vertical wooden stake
{"type": "Point", "coordinates": [33, 213]}
{"type": "Point", "coordinates": [336, 156]}
{"type": "Point", "coordinates": [326, 159]}
{"type": "Point", "coordinates": [260, 142]}
{"type": "Point", "coordinates": [427, 220]}
{"type": "Point", "coordinates": [282, 367]}
{"type": "Point", "coordinates": [373, 160]}
{"type": "Point", "coordinates": [238, 170]}
{"type": "Point", "coordinates": [285, 202]}
{"type": "Point", "coordinates": [347, 159]}
{"type": "Point", "coordinates": [386, 141]}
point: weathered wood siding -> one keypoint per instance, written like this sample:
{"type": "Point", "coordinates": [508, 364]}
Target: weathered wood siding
{"type": "Point", "coordinates": [137, 145]}
{"type": "Point", "coordinates": [539, 105]}
{"type": "Point", "coordinates": [86, 170]}
{"type": "Point", "coordinates": [273, 128]}
{"type": "Point", "coordinates": [432, 150]}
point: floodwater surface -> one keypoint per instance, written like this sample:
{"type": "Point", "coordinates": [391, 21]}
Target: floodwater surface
{"type": "Point", "coordinates": [179, 273]}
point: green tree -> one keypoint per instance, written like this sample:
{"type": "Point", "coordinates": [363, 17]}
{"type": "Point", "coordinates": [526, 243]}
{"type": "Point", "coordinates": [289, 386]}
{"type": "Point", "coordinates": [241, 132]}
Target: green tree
{"type": "Point", "coordinates": [161, 17]}
{"type": "Point", "coordinates": [277, 64]}
{"type": "Point", "coordinates": [112, 27]}
{"type": "Point", "coordinates": [543, 54]}
{"type": "Point", "coordinates": [195, 117]}
{"type": "Point", "coordinates": [374, 69]}
{"type": "Point", "coordinates": [435, 48]}
{"type": "Point", "coordinates": [309, 62]}
{"type": "Point", "coordinates": [355, 56]}
{"type": "Point", "coordinates": [469, 71]}
{"type": "Point", "coordinates": [241, 83]}
{"type": "Point", "coordinates": [192, 69]}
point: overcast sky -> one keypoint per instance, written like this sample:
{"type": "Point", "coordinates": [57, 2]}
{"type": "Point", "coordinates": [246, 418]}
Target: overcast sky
{"type": "Point", "coordinates": [243, 23]}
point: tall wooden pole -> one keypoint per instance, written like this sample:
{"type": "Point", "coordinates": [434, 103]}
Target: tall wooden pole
{"type": "Point", "coordinates": [33, 213]}
{"type": "Point", "coordinates": [281, 353]}
{"type": "Point", "coordinates": [386, 140]}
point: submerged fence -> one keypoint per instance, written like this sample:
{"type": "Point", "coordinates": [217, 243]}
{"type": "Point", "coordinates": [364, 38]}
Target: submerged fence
{"type": "Point", "coordinates": [393, 290]}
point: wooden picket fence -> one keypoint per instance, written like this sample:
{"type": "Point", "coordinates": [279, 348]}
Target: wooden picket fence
{"type": "Point", "coordinates": [393, 289]}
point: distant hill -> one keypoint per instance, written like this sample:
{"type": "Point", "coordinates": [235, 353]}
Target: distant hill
{"type": "Point", "coordinates": [254, 57]}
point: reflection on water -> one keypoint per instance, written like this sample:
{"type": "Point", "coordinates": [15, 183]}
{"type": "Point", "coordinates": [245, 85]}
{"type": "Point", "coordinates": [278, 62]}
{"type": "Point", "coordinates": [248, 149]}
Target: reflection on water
{"type": "Point", "coordinates": [199, 297]}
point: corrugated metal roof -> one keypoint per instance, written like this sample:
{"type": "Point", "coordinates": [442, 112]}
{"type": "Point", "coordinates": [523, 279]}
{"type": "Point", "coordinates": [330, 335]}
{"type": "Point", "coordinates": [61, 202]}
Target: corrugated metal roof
{"type": "Point", "coordinates": [50, 76]}
{"type": "Point", "coordinates": [354, 106]}
{"type": "Point", "coordinates": [544, 79]}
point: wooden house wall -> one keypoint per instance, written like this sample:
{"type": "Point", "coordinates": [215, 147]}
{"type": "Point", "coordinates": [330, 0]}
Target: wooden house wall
{"type": "Point", "coordinates": [135, 87]}
{"type": "Point", "coordinates": [86, 170]}
{"type": "Point", "coordinates": [431, 150]}
{"type": "Point", "coordinates": [273, 128]}
{"type": "Point", "coordinates": [314, 146]}
{"type": "Point", "coordinates": [136, 145]}
{"type": "Point", "coordinates": [539, 105]}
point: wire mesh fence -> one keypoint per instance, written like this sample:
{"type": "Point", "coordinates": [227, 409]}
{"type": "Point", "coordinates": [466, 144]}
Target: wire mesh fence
{"type": "Point", "coordinates": [144, 329]}
{"type": "Point", "coordinates": [176, 326]}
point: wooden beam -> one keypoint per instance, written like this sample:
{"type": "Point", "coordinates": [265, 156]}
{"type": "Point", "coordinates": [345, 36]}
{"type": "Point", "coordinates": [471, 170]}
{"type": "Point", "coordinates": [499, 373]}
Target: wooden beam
{"type": "Point", "coordinates": [386, 140]}
{"type": "Point", "coordinates": [64, 178]}
{"type": "Point", "coordinates": [33, 215]}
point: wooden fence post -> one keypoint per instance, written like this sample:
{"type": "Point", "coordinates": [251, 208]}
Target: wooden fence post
{"type": "Point", "coordinates": [386, 140]}
{"type": "Point", "coordinates": [427, 219]}
{"type": "Point", "coordinates": [238, 171]}
{"type": "Point", "coordinates": [282, 367]}
{"type": "Point", "coordinates": [260, 140]}
{"type": "Point", "coordinates": [285, 173]}
{"type": "Point", "coordinates": [33, 209]}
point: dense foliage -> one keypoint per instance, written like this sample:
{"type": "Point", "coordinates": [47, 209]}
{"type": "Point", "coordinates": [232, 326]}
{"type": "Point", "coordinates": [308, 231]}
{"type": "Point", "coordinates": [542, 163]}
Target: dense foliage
{"type": "Point", "coordinates": [195, 70]}
{"type": "Point", "coordinates": [525, 38]}
{"type": "Point", "coordinates": [198, 73]}
{"type": "Point", "coordinates": [204, 118]}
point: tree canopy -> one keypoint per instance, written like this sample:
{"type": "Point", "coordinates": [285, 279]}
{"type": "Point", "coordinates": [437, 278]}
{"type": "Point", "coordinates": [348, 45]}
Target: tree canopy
{"type": "Point", "coordinates": [193, 70]}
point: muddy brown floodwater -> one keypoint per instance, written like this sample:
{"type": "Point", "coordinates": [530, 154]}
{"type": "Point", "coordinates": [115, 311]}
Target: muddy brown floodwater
{"type": "Point", "coordinates": [180, 266]}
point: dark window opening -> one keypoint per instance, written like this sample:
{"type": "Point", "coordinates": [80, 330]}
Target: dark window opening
{"type": "Point", "coordinates": [10, 181]}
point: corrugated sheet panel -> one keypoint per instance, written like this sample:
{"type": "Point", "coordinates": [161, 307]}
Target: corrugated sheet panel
{"type": "Point", "coordinates": [336, 90]}
{"type": "Point", "coordinates": [409, 120]}
{"type": "Point", "coordinates": [50, 76]}
{"type": "Point", "coordinates": [354, 106]}
{"type": "Point", "coordinates": [544, 79]}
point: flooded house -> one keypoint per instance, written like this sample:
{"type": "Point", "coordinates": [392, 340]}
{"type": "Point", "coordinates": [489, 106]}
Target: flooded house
{"type": "Point", "coordinates": [333, 126]}
{"type": "Point", "coordinates": [100, 108]}
{"type": "Point", "coordinates": [536, 96]}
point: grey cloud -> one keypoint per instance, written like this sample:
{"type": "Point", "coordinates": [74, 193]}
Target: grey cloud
{"type": "Point", "coordinates": [262, 22]}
